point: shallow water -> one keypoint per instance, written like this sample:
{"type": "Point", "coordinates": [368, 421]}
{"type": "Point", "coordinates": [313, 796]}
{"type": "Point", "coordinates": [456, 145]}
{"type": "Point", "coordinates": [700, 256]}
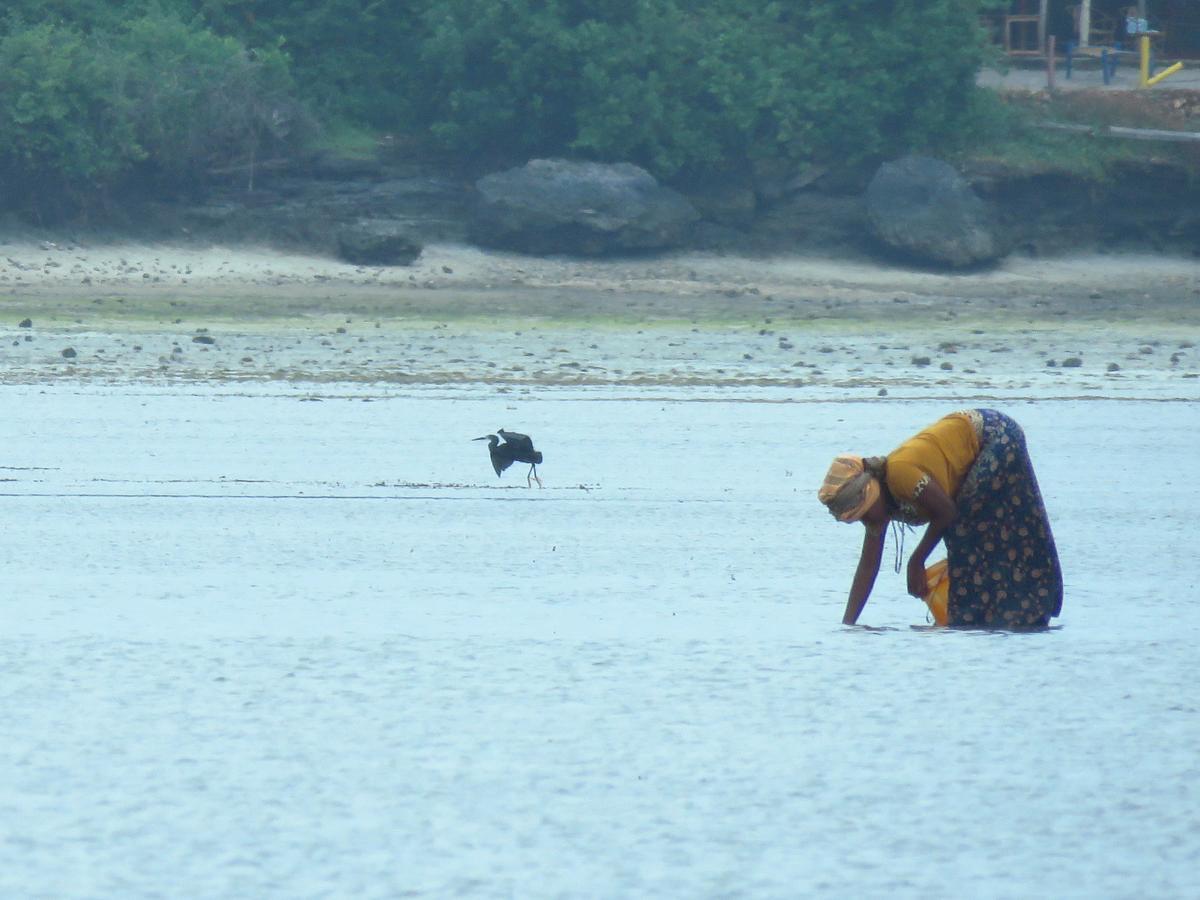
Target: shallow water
{"type": "Point", "coordinates": [258, 646]}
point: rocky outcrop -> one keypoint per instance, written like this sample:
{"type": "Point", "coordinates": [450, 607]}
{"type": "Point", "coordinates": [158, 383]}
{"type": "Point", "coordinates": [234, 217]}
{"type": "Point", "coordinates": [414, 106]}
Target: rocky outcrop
{"type": "Point", "coordinates": [367, 213]}
{"type": "Point", "coordinates": [725, 202]}
{"type": "Point", "coordinates": [380, 211]}
{"type": "Point", "coordinates": [923, 209]}
{"type": "Point", "coordinates": [556, 206]}
{"type": "Point", "coordinates": [1149, 206]}
{"type": "Point", "coordinates": [375, 242]}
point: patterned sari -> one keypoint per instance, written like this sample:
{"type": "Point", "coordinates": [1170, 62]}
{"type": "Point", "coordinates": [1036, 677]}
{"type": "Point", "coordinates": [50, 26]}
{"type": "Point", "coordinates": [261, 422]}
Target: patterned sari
{"type": "Point", "coordinates": [1004, 569]}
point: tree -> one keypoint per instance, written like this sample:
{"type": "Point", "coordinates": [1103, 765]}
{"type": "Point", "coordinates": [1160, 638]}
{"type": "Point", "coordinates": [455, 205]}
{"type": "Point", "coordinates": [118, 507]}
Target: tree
{"type": "Point", "coordinates": [61, 137]}
{"type": "Point", "coordinates": [688, 85]}
{"type": "Point", "coordinates": [153, 101]}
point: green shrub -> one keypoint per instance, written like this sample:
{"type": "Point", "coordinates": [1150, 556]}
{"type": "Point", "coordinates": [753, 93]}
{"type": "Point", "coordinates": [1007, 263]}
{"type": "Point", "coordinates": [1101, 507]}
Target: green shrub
{"type": "Point", "coordinates": [167, 91]}
{"type": "Point", "coordinates": [350, 58]}
{"type": "Point", "coordinates": [156, 103]}
{"type": "Point", "coordinates": [199, 103]}
{"type": "Point", "coordinates": [61, 135]}
{"type": "Point", "coordinates": [87, 15]}
{"type": "Point", "coordinates": [695, 85]}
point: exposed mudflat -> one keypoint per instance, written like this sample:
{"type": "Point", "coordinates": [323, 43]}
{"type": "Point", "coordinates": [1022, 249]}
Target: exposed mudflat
{"type": "Point", "coordinates": [1109, 324]}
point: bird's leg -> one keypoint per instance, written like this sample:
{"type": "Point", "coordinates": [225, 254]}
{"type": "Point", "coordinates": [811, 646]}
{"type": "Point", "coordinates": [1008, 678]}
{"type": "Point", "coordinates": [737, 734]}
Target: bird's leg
{"type": "Point", "coordinates": [533, 472]}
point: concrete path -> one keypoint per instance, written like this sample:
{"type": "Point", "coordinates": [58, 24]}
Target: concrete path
{"type": "Point", "coordinates": [1088, 77]}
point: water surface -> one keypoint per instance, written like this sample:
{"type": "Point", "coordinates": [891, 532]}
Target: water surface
{"type": "Point", "coordinates": [255, 645]}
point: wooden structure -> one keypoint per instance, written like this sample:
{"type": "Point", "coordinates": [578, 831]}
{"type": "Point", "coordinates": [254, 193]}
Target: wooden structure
{"type": "Point", "coordinates": [1025, 28]}
{"type": "Point", "coordinates": [1088, 27]}
{"type": "Point", "coordinates": [1095, 28]}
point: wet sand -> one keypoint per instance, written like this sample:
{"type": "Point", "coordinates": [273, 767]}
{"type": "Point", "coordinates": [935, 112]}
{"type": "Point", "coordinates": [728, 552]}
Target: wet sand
{"type": "Point", "coordinates": [1108, 324]}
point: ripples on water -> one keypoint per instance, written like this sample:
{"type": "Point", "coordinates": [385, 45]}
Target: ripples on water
{"type": "Point", "coordinates": [257, 647]}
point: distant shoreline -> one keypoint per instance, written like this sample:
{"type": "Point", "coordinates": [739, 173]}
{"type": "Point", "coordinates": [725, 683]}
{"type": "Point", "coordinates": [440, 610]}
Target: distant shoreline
{"type": "Point", "coordinates": [719, 282]}
{"type": "Point", "coordinates": [460, 314]}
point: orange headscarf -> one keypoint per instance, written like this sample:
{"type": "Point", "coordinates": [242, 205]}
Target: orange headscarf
{"type": "Point", "coordinates": [849, 490]}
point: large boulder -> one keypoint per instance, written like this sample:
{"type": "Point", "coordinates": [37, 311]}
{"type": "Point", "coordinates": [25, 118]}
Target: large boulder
{"type": "Point", "coordinates": [578, 208]}
{"type": "Point", "coordinates": [923, 209]}
{"type": "Point", "coordinates": [377, 242]}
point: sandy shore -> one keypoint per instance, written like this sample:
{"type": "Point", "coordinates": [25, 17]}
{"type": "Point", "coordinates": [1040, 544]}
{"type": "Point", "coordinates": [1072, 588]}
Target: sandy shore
{"type": "Point", "coordinates": [1109, 324]}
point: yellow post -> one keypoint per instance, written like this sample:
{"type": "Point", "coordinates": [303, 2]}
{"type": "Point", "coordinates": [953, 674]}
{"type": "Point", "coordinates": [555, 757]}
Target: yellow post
{"type": "Point", "coordinates": [1165, 73]}
{"type": "Point", "coordinates": [1144, 46]}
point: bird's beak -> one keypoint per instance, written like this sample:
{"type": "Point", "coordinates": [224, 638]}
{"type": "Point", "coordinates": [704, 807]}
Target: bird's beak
{"type": "Point", "coordinates": [484, 438]}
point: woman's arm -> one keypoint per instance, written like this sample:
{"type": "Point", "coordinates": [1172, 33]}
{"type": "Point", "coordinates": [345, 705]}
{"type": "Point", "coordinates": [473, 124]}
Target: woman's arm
{"type": "Point", "coordinates": [864, 575]}
{"type": "Point", "coordinates": [942, 511]}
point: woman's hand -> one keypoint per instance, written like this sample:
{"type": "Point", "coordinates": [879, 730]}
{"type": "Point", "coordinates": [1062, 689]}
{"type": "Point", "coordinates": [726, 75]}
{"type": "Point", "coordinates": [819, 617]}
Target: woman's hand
{"type": "Point", "coordinates": [942, 511]}
{"type": "Point", "coordinates": [917, 583]}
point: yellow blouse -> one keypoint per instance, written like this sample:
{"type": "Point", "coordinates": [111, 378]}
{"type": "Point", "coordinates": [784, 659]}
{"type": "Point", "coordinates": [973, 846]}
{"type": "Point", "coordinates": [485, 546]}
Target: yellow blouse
{"type": "Point", "coordinates": [942, 452]}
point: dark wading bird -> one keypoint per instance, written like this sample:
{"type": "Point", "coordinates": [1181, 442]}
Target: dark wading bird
{"type": "Point", "coordinates": [516, 448]}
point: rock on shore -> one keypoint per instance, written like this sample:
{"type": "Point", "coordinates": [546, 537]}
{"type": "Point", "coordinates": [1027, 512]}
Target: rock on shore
{"type": "Point", "coordinates": [923, 208]}
{"type": "Point", "coordinates": [579, 208]}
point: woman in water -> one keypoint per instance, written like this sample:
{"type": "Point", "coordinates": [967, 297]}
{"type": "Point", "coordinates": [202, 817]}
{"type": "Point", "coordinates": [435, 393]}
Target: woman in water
{"type": "Point", "coordinates": [969, 478]}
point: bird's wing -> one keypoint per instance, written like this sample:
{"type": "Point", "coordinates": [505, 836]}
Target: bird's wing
{"type": "Point", "coordinates": [500, 463]}
{"type": "Point", "coordinates": [518, 440]}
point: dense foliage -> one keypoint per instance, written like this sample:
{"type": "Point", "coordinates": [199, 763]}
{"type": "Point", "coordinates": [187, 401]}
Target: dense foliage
{"type": "Point", "coordinates": [94, 93]}
{"type": "Point", "coordinates": [700, 84]}
{"type": "Point", "coordinates": [86, 110]}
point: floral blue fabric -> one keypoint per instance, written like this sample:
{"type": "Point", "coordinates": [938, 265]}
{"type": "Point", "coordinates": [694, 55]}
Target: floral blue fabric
{"type": "Point", "coordinates": [1004, 569]}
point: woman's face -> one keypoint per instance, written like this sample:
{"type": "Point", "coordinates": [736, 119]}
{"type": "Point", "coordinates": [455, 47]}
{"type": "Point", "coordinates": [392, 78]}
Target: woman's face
{"type": "Point", "coordinates": [876, 513]}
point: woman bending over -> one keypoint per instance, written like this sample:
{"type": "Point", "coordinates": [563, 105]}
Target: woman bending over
{"type": "Point", "coordinates": [969, 478]}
